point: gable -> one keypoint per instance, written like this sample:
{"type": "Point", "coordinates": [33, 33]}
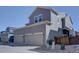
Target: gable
{"type": "Point", "coordinates": [40, 11]}
{"type": "Point", "coordinates": [44, 11]}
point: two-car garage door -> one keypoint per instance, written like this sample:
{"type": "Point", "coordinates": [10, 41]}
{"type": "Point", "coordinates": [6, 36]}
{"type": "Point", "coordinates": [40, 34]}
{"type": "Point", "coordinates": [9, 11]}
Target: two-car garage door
{"type": "Point", "coordinates": [32, 39]}
{"type": "Point", "coordinates": [18, 39]}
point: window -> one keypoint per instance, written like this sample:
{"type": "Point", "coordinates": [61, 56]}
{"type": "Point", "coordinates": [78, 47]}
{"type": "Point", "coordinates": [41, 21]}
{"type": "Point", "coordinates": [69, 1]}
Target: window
{"type": "Point", "coordinates": [36, 21]}
{"type": "Point", "coordinates": [63, 22]}
{"type": "Point", "coordinates": [66, 32]}
{"type": "Point", "coordinates": [38, 18]}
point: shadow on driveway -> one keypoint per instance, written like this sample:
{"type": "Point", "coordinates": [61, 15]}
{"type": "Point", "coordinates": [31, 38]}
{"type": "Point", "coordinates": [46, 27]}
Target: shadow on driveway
{"type": "Point", "coordinates": [42, 50]}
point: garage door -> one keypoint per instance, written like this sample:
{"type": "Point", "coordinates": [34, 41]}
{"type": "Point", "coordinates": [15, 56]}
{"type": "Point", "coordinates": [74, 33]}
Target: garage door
{"type": "Point", "coordinates": [34, 39]}
{"type": "Point", "coordinates": [18, 39]}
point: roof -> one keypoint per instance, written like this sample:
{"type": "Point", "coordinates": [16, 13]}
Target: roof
{"type": "Point", "coordinates": [44, 22]}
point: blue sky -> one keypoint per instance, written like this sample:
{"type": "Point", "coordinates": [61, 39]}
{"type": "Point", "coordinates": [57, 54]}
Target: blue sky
{"type": "Point", "coordinates": [18, 16]}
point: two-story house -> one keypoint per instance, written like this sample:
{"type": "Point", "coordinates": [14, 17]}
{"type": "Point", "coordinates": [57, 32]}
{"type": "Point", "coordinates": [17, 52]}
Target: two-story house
{"type": "Point", "coordinates": [44, 24]}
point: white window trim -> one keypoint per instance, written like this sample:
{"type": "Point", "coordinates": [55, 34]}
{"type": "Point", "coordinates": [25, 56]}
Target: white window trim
{"type": "Point", "coordinates": [41, 15]}
{"type": "Point", "coordinates": [38, 17]}
{"type": "Point", "coordinates": [35, 19]}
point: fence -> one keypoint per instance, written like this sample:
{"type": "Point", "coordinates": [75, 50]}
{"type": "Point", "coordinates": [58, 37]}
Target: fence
{"type": "Point", "coordinates": [62, 40]}
{"type": "Point", "coordinates": [67, 40]}
{"type": "Point", "coordinates": [74, 40]}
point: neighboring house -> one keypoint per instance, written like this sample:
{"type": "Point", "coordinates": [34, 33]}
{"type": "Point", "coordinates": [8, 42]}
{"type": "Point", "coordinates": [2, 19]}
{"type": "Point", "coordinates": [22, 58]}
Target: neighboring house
{"type": "Point", "coordinates": [44, 24]}
{"type": "Point", "coordinates": [77, 33]}
{"type": "Point", "coordinates": [5, 35]}
{"type": "Point", "coordinates": [10, 31]}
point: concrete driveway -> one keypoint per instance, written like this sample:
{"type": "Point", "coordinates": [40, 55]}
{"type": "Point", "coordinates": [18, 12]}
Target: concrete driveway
{"type": "Point", "coordinates": [17, 49]}
{"type": "Point", "coordinates": [38, 49]}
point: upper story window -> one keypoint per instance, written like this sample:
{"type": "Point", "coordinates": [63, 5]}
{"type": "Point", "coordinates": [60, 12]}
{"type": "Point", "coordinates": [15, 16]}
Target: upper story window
{"type": "Point", "coordinates": [38, 18]}
{"type": "Point", "coordinates": [35, 19]}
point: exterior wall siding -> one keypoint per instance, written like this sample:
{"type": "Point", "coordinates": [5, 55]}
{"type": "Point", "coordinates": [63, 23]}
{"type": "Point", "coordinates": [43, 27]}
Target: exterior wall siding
{"type": "Point", "coordinates": [53, 29]}
{"type": "Point", "coordinates": [68, 23]}
{"type": "Point", "coordinates": [44, 12]}
{"type": "Point", "coordinates": [34, 29]}
{"type": "Point", "coordinates": [56, 22]}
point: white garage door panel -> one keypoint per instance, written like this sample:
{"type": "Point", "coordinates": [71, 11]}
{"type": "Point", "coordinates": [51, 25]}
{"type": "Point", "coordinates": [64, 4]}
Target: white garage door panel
{"type": "Point", "coordinates": [19, 39]}
{"type": "Point", "coordinates": [34, 39]}
{"type": "Point", "coordinates": [39, 39]}
{"type": "Point", "coordinates": [30, 40]}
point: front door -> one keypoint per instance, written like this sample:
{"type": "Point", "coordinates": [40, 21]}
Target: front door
{"type": "Point", "coordinates": [66, 32]}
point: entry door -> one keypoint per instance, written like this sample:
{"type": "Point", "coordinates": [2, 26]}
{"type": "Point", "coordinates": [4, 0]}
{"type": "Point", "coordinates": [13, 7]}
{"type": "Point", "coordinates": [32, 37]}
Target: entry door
{"type": "Point", "coordinates": [66, 32]}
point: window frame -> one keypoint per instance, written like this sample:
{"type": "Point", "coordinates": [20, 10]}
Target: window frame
{"type": "Point", "coordinates": [35, 19]}
{"type": "Point", "coordinates": [38, 18]}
